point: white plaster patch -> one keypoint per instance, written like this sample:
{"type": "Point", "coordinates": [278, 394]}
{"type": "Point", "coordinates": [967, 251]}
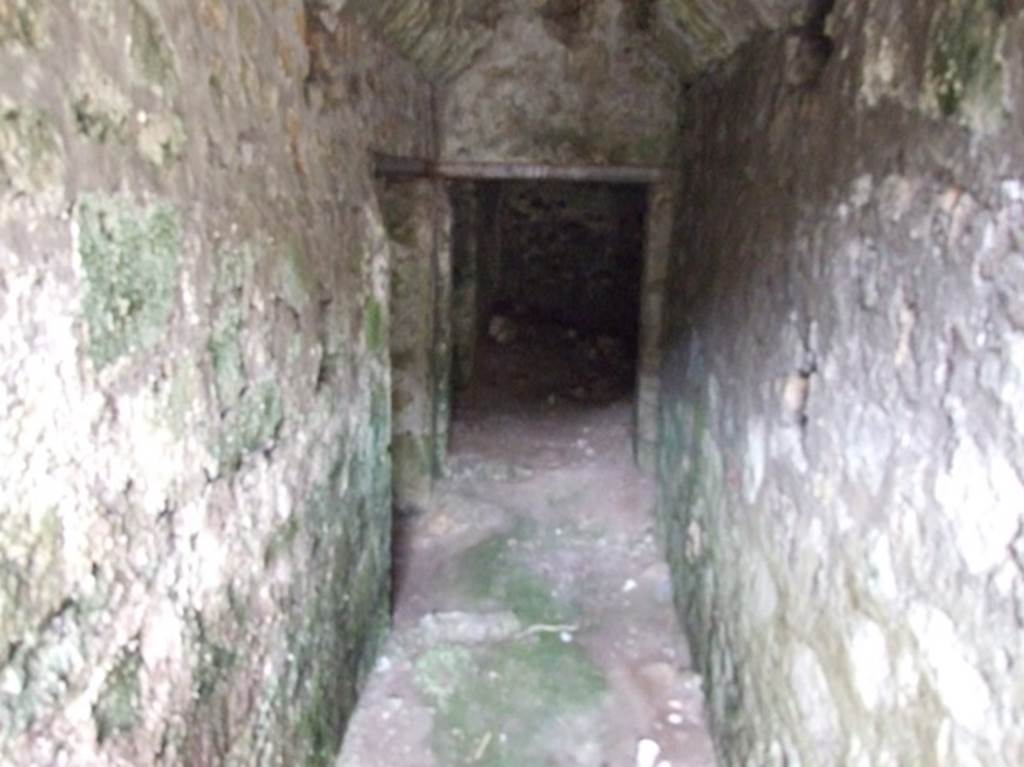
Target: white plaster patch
{"type": "Point", "coordinates": [754, 464]}
{"type": "Point", "coordinates": [787, 444]}
{"type": "Point", "coordinates": [878, 76]}
{"type": "Point", "coordinates": [764, 598]}
{"type": "Point", "coordinates": [872, 672]}
{"type": "Point", "coordinates": [957, 682]}
{"type": "Point", "coordinates": [1012, 391]}
{"type": "Point", "coordinates": [814, 701]}
{"type": "Point", "coordinates": [897, 196]}
{"type": "Point", "coordinates": [908, 680]}
{"type": "Point", "coordinates": [984, 500]}
{"type": "Point", "coordinates": [881, 575]}
{"type": "Point", "coordinates": [1013, 190]}
{"type": "Point", "coordinates": [161, 634]}
{"type": "Point", "coordinates": [211, 561]}
{"type": "Point", "coordinates": [908, 321]}
{"type": "Point", "coordinates": [714, 395]}
{"type": "Point", "coordinates": [863, 189]}
{"type": "Point", "coordinates": [869, 445]}
{"type": "Point", "coordinates": [154, 459]}
{"type": "Point", "coordinates": [794, 393]}
{"type": "Point", "coordinates": [694, 541]}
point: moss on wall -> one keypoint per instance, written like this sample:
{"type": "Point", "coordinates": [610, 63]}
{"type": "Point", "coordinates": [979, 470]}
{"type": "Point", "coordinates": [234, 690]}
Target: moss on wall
{"type": "Point", "coordinates": [251, 425]}
{"type": "Point", "coordinates": [964, 66]}
{"type": "Point", "coordinates": [376, 325]}
{"type": "Point", "coordinates": [197, 413]}
{"type": "Point", "coordinates": [119, 707]}
{"type": "Point", "coordinates": [837, 538]}
{"type": "Point", "coordinates": [150, 49]}
{"type": "Point", "coordinates": [23, 22]}
{"type": "Point", "coordinates": [130, 256]}
{"type": "Point", "coordinates": [30, 150]}
{"type": "Point", "coordinates": [295, 276]}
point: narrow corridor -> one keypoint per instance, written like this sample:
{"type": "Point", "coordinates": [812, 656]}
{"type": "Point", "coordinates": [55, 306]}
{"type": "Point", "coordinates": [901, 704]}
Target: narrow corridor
{"type": "Point", "coordinates": [331, 332]}
{"type": "Point", "coordinates": [533, 619]}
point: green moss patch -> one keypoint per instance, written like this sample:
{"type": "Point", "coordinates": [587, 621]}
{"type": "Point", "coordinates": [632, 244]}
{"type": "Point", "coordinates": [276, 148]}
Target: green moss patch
{"type": "Point", "coordinates": [94, 123]}
{"type": "Point", "coordinates": [494, 572]}
{"type": "Point", "coordinates": [119, 707]}
{"type": "Point", "coordinates": [162, 141]}
{"type": "Point", "coordinates": [251, 425]}
{"type": "Point", "coordinates": [296, 277]}
{"type": "Point", "coordinates": [215, 659]}
{"type": "Point", "coordinates": [131, 260]}
{"type": "Point", "coordinates": [30, 151]}
{"type": "Point", "coordinates": [500, 707]}
{"type": "Point", "coordinates": [252, 411]}
{"type": "Point", "coordinates": [150, 51]}
{"type": "Point", "coordinates": [281, 541]}
{"type": "Point", "coordinates": [963, 65]}
{"type": "Point", "coordinates": [376, 325]}
{"type": "Point", "coordinates": [225, 349]}
{"type": "Point", "coordinates": [506, 705]}
{"type": "Point", "coordinates": [23, 22]}
{"type": "Point", "coordinates": [234, 270]}
{"type": "Point", "coordinates": [100, 108]}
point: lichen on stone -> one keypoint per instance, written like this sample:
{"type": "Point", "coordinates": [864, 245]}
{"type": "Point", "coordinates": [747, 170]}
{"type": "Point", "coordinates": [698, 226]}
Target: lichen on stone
{"type": "Point", "coordinates": [296, 279]}
{"type": "Point", "coordinates": [43, 665]}
{"type": "Point", "coordinates": [31, 159]}
{"type": "Point", "coordinates": [492, 572]}
{"type": "Point", "coordinates": [376, 325]}
{"type": "Point", "coordinates": [119, 706]}
{"type": "Point", "coordinates": [215, 659]}
{"type": "Point", "coordinates": [23, 22]}
{"type": "Point", "coordinates": [234, 271]}
{"type": "Point", "coordinates": [519, 688]}
{"type": "Point", "coordinates": [229, 376]}
{"type": "Point", "coordinates": [251, 425]}
{"type": "Point", "coordinates": [131, 257]}
{"type": "Point", "coordinates": [334, 638]}
{"type": "Point", "coordinates": [151, 53]}
{"type": "Point", "coordinates": [100, 108]}
{"type": "Point", "coordinates": [964, 70]}
{"type": "Point", "coordinates": [162, 140]}
{"type": "Point", "coordinates": [281, 540]}
{"type": "Point", "coordinates": [32, 551]}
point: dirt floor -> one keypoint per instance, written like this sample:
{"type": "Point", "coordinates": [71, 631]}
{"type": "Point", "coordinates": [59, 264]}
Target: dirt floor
{"type": "Point", "coordinates": [533, 622]}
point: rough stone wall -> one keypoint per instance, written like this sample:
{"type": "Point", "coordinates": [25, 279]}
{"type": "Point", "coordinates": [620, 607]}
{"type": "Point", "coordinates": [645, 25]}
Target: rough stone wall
{"type": "Point", "coordinates": [697, 34]}
{"type": "Point", "coordinates": [445, 37]}
{"type": "Point", "coordinates": [843, 415]}
{"type": "Point", "coordinates": [476, 269]}
{"type": "Point", "coordinates": [466, 241]}
{"type": "Point", "coordinates": [415, 216]}
{"type": "Point", "coordinates": [658, 245]}
{"type": "Point", "coordinates": [562, 82]}
{"type": "Point", "coordinates": [441, 36]}
{"type": "Point", "coordinates": [194, 531]}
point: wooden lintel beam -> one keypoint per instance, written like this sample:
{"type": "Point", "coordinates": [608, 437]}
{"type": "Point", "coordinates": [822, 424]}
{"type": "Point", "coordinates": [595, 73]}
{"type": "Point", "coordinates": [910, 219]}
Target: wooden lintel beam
{"type": "Point", "coordinates": [389, 166]}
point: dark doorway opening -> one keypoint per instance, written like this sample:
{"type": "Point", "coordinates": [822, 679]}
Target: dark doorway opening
{"type": "Point", "coordinates": [546, 293]}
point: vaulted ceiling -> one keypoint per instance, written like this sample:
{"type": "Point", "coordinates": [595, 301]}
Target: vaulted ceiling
{"type": "Point", "coordinates": [443, 37]}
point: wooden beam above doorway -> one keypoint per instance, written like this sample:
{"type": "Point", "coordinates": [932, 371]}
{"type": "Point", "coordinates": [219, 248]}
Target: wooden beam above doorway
{"type": "Point", "coordinates": [391, 166]}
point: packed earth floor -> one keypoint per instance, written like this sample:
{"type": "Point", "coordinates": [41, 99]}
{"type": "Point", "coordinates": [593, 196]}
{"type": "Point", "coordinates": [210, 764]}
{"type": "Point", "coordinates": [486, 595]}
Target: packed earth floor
{"type": "Point", "coordinates": [533, 623]}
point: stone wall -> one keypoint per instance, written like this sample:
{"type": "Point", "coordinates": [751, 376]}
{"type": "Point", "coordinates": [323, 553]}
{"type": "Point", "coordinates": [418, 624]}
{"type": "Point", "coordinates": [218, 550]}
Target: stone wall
{"type": "Point", "coordinates": [476, 269]}
{"type": "Point", "coordinates": [194, 532]}
{"type": "Point", "coordinates": [843, 423]}
{"type": "Point", "coordinates": [445, 37]}
{"type": "Point", "coordinates": [416, 217]}
{"type": "Point", "coordinates": [658, 247]}
{"type": "Point", "coordinates": [562, 82]}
